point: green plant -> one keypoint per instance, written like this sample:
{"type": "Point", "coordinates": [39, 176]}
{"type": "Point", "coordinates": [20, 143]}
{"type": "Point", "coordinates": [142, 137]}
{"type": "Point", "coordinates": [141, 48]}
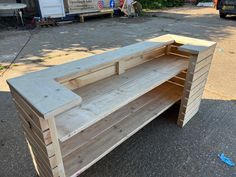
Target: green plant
{"type": "Point", "coordinates": [157, 4]}
{"type": "Point", "coordinates": [2, 67]}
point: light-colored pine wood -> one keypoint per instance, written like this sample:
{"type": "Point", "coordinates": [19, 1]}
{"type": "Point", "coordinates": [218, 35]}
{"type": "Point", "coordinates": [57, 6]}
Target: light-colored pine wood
{"type": "Point", "coordinates": [44, 136]}
{"type": "Point", "coordinates": [91, 14]}
{"type": "Point", "coordinates": [112, 137]}
{"type": "Point", "coordinates": [151, 75]}
{"type": "Point", "coordinates": [44, 101]}
{"type": "Point", "coordinates": [38, 152]}
{"type": "Point", "coordinates": [57, 149]}
{"type": "Point", "coordinates": [91, 132]}
{"type": "Point", "coordinates": [198, 70]}
{"type": "Point", "coordinates": [39, 121]}
{"type": "Point", "coordinates": [120, 67]}
{"type": "Point", "coordinates": [178, 80]}
{"type": "Point", "coordinates": [74, 114]}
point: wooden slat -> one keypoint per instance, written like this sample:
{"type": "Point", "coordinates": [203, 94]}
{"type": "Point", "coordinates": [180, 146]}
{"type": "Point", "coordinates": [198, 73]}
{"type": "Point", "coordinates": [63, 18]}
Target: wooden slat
{"type": "Point", "coordinates": [192, 98]}
{"type": "Point", "coordinates": [56, 146]}
{"type": "Point", "coordinates": [92, 77]}
{"type": "Point", "coordinates": [193, 107]}
{"type": "Point", "coordinates": [137, 60]}
{"type": "Point", "coordinates": [44, 136]}
{"type": "Point", "coordinates": [199, 80]}
{"type": "Point", "coordinates": [50, 162]}
{"type": "Point", "coordinates": [196, 89]}
{"type": "Point", "coordinates": [120, 67]}
{"type": "Point", "coordinates": [39, 160]}
{"type": "Point", "coordinates": [197, 74]}
{"type": "Point", "coordinates": [48, 149]}
{"type": "Point", "coordinates": [182, 75]}
{"type": "Point", "coordinates": [32, 156]}
{"type": "Point", "coordinates": [68, 123]}
{"type": "Point", "coordinates": [187, 86]}
{"type": "Point", "coordinates": [156, 53]}
{"type": "Point", "coordinates": [201, 72]}
{"type": "Point", "coordinates": [203, 63]}
{"type": "Point", "coordinates": [206, 53]}
{"type": "Point", "coordinates": [96, 13]}
{"type": "Point", "coordinates": [178, 80]}
{"type": "Point", "coordinates": [191, 113]}
{"type": "Point", "coordinates": [91, 132]}
{"type": "Point", "coordinates": [175, 51]}
{"type": "Point", "coordinates": [110, 70]}
{"type": "Point", "coordinates": [40, 122]}
{"type": "Point", "coordinates": [102, 144]}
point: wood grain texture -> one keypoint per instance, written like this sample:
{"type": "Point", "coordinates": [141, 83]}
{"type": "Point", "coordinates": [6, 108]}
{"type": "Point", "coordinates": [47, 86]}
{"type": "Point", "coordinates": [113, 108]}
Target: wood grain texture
{"type": "Point", "coordinates": [137, 82]}
{"type": "Point", "coordinates": [46, 82]}
{"type": "Point", "coordinates": [74, 114]}
{"type": "Point", "coordinates": [198, 70]}
{"type": "Point", "coordinates": [135, 118]}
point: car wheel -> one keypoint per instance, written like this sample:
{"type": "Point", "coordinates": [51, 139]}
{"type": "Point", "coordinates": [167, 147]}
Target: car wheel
{"type": "Point", "coordinates": [222, 15]}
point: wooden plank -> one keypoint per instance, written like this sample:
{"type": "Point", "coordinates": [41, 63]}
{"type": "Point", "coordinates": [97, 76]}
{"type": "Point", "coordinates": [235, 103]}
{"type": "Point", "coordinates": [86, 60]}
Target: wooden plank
{"type": "Point", "coordinates": [50, 162]}
{"type": "Point", "coordinates": [96, 13]}
{"type": "Point", "coordinates": [192, 98]}
{"type": "Point", "coordinates": [175, 51]}
{"type": "Point", "coordinates": [201, 72]}
{"type": "Point", "coordinates": [187, 86]}
{"type": "Point", "coordinates": [32, 156]}
{"type": "Point", "coordinates": [199, 80]}
{"type": "Point", "coordinates": [92, 77]}
{"type": "Point", "coordinates": [38, 159]}
{"type": "Point", "coordinates": [203, 63]}
{"type": "Point", "coordinates": [193, 107]}
{"type": "Point", "coordinates": [147, 56]}
{"type": "Point", "coordinates": [178, 80]}
{"type": "Point", "coordinates": [206, 53]}
{"type": "Point", "coordinates": [43, 82]}
{"type": "Point", "coordinates": [90, 153]}
{"type": "Point", "coordinates": [47, 149]}
{"type": "Point", "coordinates": [152, 54]}
{"type": "Point", "coordinates": [41, 170]}
{"type": "Point", "coordinates": [182, 122]}
{"type": "Point", "coordinates": [120, 67]}
{"type": "Point", "coordinates": [93, 131]}
{"type": "Point", "coordinates": [191, 114]}
{"type": "Point", "coordinates": [182, 75]}
{"type": "Point", "coordinates": [196, 89]}
{"type": "Point", "coordinates": [39, 121]}
{"type": "Point", "coordinates": [44, 136]}
{"type": "Point", "coordinates": [167, 49]}
{"type": "Point", "coordinates": [196, 79]}
{"type": "Point", "coordinates": [68, 123]}
{"type": "Point", "coordinates": [58, 155]}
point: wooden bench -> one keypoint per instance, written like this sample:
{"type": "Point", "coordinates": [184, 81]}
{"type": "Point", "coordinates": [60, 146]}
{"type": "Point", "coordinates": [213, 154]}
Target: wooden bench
{"type": "Point", "coordinates": [74, 114]}
{"type": "Point", "coordinates": [98, 13]}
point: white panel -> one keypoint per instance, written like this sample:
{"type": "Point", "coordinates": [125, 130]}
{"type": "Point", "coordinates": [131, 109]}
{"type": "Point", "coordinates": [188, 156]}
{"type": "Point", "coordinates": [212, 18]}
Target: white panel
{"type": "Point", "coordinates": [52, 8]}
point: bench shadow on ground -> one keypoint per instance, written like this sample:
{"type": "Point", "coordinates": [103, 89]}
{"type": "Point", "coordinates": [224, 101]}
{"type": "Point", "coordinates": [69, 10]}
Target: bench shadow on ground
{"type": "Point", "coordinates": [160, 149]}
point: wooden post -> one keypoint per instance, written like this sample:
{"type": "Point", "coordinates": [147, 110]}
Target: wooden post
{"type": "Point", "coordinates": [81, 17]}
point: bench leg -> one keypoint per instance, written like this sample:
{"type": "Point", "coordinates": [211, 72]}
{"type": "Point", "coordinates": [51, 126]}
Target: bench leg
{"type": "Point", "coordinates": [81, 19]}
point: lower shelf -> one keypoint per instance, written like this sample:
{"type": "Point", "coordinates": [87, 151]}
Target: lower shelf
{"type": "Point", "coordinates": [126, 121]}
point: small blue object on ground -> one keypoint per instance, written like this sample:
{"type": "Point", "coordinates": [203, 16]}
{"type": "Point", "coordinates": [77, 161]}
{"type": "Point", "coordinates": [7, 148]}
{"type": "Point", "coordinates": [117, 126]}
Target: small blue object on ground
{"type": "Point", "coordinates": [226, 160]}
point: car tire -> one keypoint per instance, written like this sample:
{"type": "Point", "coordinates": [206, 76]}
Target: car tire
{"type": "Point", "coordinates": [222, 15]}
